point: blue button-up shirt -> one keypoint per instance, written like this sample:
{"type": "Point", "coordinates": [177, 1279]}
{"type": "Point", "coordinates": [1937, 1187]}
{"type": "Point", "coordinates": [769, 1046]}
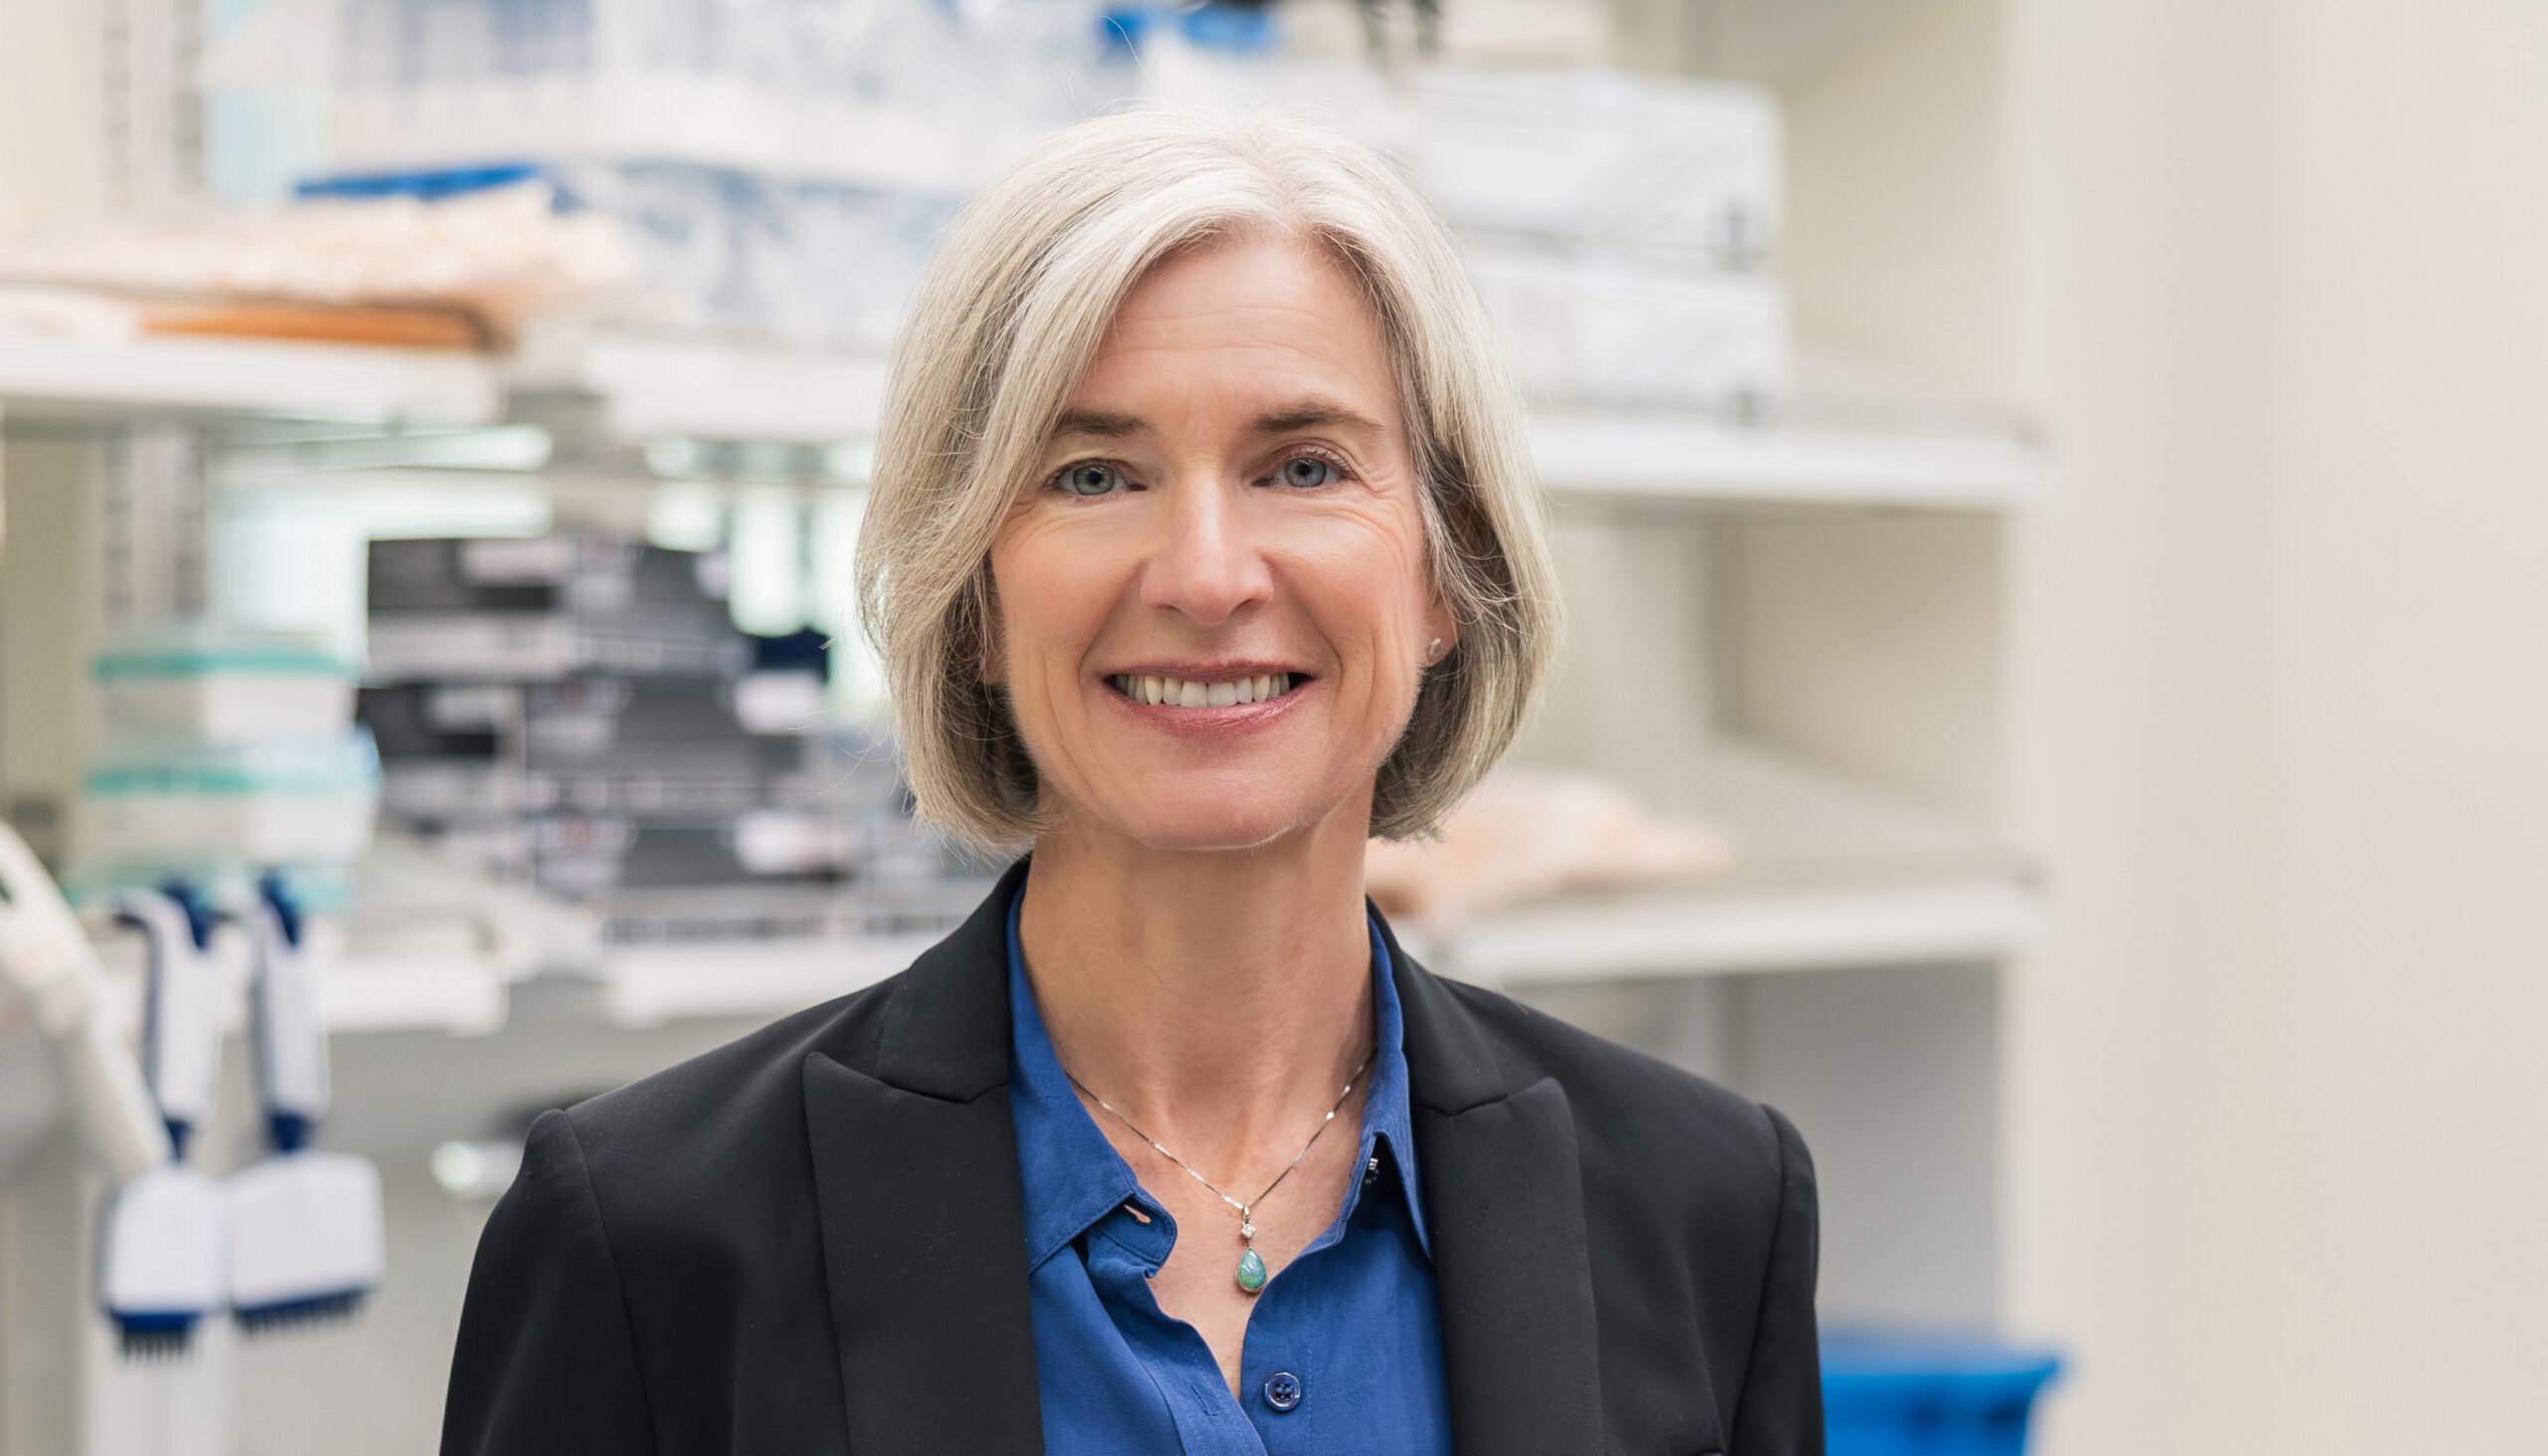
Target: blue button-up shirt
{"type": "Point", "coordinates": [1343, 1348]}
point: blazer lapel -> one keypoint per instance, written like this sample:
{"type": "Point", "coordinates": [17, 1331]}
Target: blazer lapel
{"type": "Point", "coordinates": [923, 1224]}
{"type": "Point", "coordinates": [1504, 1205]}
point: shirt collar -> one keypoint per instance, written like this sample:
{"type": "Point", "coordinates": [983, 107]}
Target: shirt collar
{"type": "Point", "coordinates": [1386, 1113]}
{"type": "Point", "coordinates": [1073, 1177]}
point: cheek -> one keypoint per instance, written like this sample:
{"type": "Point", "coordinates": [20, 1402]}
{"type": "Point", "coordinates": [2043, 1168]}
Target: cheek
{"type": "Point", "coordinates": [1365, 580]}
{"type": "Point", "coordinates": [1045, 586]}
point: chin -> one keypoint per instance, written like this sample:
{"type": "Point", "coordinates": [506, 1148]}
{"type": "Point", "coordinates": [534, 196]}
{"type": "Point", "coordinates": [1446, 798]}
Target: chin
{"type": "Point", "coordinates": [1206, 813]}
{"type": "Point", "coordinates": [1217, 828]}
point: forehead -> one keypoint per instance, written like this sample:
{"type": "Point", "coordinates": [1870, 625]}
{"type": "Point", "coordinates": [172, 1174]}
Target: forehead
{"type": "Point", "coordinates": [1271, 314]}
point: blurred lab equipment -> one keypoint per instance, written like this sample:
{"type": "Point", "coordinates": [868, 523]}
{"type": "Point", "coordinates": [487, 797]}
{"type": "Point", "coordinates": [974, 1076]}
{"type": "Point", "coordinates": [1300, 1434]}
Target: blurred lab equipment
{"type": "Point", "coordinates": [1619, 229]}
{"type": "Point", "coordinates": [227, 684]}
{"type": "Point", "coordinates": [306, 1237]}
{"type": "Point", "coordinates": [578, 712]}
{"type": "Point", "coordinates": [223, 752]}
{"type": "Point", "coordinates": [881, 94]}
{"type": "Point", "coordinates": [184, 801]}
{"type": "Point", "coordinates": [47, 960]}
{"type": "Point", "coordinates": [1681, 166]}
{"type": "Point", "coordinates": [162, 1262]}
{"type": "Point", "coordinates": [1621, 225]}
{"type": "Point", "coordinates": [1587, 324]}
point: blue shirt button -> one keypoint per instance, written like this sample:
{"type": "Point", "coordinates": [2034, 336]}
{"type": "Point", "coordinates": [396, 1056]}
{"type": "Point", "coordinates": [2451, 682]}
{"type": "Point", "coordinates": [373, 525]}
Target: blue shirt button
{"type": "Point", "coordinates": [1283, 1391]}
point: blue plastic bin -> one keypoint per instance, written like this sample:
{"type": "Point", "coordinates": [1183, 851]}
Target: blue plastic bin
{"type": "Point", "coordinates": [1924, 1395]}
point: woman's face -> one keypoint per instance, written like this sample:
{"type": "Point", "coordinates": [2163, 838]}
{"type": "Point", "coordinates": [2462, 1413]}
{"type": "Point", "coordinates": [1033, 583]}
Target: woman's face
{"type": "Point", "coordinates": [1213, 607]}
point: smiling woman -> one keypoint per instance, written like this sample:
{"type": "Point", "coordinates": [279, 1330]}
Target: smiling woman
{"type": "Point", "coordinates": [1256, 515]}
{"type": "Point", "coordinates": [1202, 548]}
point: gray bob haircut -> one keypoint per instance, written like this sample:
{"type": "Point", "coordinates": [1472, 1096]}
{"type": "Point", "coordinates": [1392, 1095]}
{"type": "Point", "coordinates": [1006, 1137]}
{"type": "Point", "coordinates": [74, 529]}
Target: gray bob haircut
{"type": "Point", "coordinates": [1008, 319]}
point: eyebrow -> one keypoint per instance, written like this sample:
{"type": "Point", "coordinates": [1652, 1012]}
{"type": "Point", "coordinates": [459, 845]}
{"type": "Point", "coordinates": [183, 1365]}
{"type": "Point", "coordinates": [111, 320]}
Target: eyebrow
{"type": "Point", "coordinates": [1306, 414]}
{"type": "Point", "coordinates": [1100, 424]}
{"type": "Point", "coordinates": [1312, 414]}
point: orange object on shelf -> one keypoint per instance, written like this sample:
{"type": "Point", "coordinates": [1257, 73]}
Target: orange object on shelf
{"type": "Point", "coordinates": [386, 326]}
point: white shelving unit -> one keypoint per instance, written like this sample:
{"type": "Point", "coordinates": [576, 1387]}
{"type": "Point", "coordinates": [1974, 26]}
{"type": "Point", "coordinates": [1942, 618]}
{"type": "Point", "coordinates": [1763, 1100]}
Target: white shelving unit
{"type": "Point", "coordinates": [653, 984]}
{"type": "Point", "coordinates": [654, 385]}
{"type": "Point", "coordinates": [1639, 938]}
{"type": "Point", "coordinates": [1666, 459]}
{"type": "Point", "coordinates": [1827, 876]}
{"type": "Point", "coordinates": [357, 383]}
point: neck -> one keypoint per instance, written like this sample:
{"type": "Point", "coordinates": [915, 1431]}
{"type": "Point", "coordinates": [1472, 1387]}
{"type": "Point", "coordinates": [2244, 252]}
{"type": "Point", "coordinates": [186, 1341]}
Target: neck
{"type": "Point", "coordinates": [1213, 997]}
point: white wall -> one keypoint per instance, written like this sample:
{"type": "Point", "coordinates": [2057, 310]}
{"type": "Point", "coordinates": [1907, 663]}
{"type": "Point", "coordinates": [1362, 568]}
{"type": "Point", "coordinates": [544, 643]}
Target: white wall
{"type": "Point", "coordinates": [2144, 326]}
{"type": "Point", "coordinates": [2406, 1191]}
{"type": "Point", "coordinates": [2275, 275]}
{"type": "Point", "coordinates": [52, 145]}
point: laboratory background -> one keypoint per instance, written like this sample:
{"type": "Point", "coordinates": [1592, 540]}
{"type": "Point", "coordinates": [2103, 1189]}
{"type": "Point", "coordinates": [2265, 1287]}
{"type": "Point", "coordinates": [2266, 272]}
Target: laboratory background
{"type": "Point", "coordinates": [2052, 498]}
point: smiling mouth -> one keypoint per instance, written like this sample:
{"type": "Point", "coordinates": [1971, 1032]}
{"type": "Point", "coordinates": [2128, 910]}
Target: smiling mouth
{"type": "Point", "coordinates": [1187, 693]}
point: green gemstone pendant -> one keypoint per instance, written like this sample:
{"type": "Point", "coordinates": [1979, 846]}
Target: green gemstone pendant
{"type": "Point", "coordinates": [1251, 1272]}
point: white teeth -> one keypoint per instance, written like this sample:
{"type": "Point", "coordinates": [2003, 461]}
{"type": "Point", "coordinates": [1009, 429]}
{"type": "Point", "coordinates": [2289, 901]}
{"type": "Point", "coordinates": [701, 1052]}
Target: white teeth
{"type": "Point", "coordinates": [1179, 693]}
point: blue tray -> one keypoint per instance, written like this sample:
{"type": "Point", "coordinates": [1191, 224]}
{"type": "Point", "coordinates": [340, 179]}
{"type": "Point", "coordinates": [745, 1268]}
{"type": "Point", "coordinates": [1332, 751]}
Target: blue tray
{"type": "Point", "coordinates": [1907, 1395]}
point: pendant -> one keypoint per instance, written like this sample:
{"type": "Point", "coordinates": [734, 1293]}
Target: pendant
{"type": "Point", "coordinates": [1251, 1269]}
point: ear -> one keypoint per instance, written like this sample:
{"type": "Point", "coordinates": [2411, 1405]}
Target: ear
{"type": "Point", "coordinates": [1440, 622]}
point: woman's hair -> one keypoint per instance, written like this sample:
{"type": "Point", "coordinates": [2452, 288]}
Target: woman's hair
{"type": "Point", "coordinates": [1009, 318]}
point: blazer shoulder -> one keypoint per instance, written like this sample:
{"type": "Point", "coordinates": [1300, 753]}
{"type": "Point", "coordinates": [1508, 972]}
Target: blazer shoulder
{"type": "Point", "coordinates": [665, 1230]}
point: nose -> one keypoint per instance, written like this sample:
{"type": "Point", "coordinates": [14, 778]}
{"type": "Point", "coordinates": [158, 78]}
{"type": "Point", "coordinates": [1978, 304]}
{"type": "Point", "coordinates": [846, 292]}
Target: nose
{"type": "Point", "coordinates": [1207, 563]}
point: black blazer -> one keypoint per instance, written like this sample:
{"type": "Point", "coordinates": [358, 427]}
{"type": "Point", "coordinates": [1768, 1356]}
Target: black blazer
{"type": "Point", "coordinates": [810, 1241]}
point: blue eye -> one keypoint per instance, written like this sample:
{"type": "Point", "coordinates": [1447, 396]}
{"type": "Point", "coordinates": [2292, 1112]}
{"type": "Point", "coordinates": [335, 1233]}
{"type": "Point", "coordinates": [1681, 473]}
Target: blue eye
{"type": "Point", "coordinates": [1305, 471]}
{"type": "Point", "coordinates": [1092, 478]}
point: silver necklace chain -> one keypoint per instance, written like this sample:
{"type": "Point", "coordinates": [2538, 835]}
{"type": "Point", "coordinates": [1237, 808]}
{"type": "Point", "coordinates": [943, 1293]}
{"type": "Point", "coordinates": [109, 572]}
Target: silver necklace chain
{"type": "Point", "coordinates": [1246, 1218]}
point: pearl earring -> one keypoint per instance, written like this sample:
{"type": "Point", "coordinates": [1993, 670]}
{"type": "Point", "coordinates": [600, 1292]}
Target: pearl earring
{"type": "Point", "coordinates": [1434, 652]}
